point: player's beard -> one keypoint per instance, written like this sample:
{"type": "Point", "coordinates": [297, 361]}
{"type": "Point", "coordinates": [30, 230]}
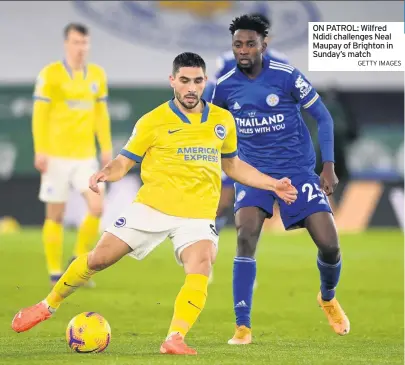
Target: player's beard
{"type": "Point", "coordinates": [246, 66]}
{"type": "Point", "coordinates": [184, 103]}
{"type": "Point", "coordinates": [249, 67]}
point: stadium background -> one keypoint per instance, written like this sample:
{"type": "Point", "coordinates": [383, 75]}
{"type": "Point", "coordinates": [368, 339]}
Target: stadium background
{"type": "Point", "coordinates": [137, 49]}
{"type": "Point", "coordinates": [367, 106]}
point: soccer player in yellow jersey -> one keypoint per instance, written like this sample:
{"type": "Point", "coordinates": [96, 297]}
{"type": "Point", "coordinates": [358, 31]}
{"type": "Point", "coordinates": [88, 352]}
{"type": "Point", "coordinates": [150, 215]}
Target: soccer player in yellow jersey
{"type": "Point", "coordinates": [182, 145]}
{"type": "Point", "coordinates": [69, 112]}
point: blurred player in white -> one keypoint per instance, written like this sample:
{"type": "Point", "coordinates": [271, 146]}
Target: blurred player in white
{"type": "Point", "coordinates": [70, 111]}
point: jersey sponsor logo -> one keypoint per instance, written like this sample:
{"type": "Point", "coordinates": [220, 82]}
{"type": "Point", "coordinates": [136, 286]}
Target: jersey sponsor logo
{"type": "Point", "coordinates": [169, 24]}
{"type": "Point", "coordinates": [272, 100]}
{"type": "Point", "coordinates": [80, 104]}
{"type": "Point", "coordinates": [120, 222]}
{"type": "Point", "coordinates": [220, 131]}
{"type": "Point", "coordinates": [304, 87]}
{"type": "Point", "coordinates": [171, 131]}
{"type": "Point", "coordinates": [199, 154]}
{"type": "Point", "coordinates": [266, 124]}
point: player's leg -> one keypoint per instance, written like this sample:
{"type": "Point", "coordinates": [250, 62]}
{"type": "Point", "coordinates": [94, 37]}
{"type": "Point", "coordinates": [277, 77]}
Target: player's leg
{"type": "Point", "coordinates": [195, 245]}
{"type": "Point", "coordinates": [89, 228]}
{"type": "Point", "coordinates": [225, 201]}
{"type": "Point", "coordinates": [311, 210]}
{"type": "Point", "coordinates": [52, 238]}
{"type": "Point", "coordinates": [54, 192]}
{"type": "Point", "coordinates": [322, 229]}
{"type": "Point", "coordinates": [108, 251]}
{"type": "Point", "coordinates": [252, 207]}
{"type": "Point", "coordinates": [323, 232]}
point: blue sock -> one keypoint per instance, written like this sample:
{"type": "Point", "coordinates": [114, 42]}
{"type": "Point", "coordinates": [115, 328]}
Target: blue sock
{"type": "Point", "coordinates": [244, 274]}
{"type": "Point", "coordinates": [330, 274]}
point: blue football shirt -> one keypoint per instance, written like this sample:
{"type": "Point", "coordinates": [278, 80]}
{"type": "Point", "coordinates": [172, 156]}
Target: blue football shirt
{"type": "Point", "coordinates": [272, 135]}
{"type": "Point", "coordinates": [226, 62]}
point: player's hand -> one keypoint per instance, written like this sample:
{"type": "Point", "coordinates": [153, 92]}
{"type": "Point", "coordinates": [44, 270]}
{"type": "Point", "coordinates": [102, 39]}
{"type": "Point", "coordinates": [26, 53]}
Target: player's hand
{"type": "Point", "coordinates": [286, 191]}
{"type": "Point", "coordinates": [329, 179]}
{"type": "Point", "coordinates": [106, 158]}
{"type": "Point", "coordinates": [41, 162]}
{"type": "Point", "coordinates": [95, 179]}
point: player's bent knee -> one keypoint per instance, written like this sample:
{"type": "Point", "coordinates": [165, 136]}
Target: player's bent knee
{"type": "Point", "coordinates": [55, 212]}
{"type": "Point", "coordinates": [247, 241]}
{"type": "Point", "coordinates": [199, 257]}
{"type": "Point", "coordinates": [97, 261]}
{"type": "Point", "coordinates": [108, 251]}
{"type": "Point", "coordinates": [94, 203]}
{"type": "Point", "coordinates": [96, 207]}
{"type": "Point", "coordinates": [96, 211]}
{"type": "Point", "coordinates": [329, 253]}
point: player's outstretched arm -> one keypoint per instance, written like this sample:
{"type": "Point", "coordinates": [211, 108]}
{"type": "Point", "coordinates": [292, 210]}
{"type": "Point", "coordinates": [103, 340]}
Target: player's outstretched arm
{"type": "Point", "coordinates": [113, 171]}
{"type": "Point", "coordinates": [246, 174]}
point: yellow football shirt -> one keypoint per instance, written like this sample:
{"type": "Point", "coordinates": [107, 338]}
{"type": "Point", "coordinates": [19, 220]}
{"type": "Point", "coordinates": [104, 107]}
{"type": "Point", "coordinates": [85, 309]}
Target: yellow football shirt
{"type": "Point", "coordinates": [181, 158]}
{"type": "Point", "coordinates": [70, 110]}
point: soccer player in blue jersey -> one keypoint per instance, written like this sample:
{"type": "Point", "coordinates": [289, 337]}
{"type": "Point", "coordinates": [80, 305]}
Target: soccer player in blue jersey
{"type": "Point", "coordinates": [265, 97]}
{"type": "Point", "coordinates": [225, 63]}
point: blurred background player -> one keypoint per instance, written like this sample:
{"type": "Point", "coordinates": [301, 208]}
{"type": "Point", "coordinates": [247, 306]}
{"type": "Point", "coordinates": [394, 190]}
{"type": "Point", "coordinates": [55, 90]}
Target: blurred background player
{"type": "Point", "coordinates": [179, 199]}
{"type": "Point", "coordinates": [225, 63]}
{"type": "Point", "coordinates": [70, 110]}
{"type": "Point", "coordinates": [273, 137]}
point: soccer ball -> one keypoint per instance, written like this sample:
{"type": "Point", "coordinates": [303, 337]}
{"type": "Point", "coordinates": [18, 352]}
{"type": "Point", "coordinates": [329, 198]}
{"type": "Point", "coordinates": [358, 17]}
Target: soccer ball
{"type": "Point", "coordinates": [88, 332]}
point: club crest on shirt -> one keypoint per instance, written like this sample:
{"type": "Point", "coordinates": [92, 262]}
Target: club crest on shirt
{"type": "Point", "coordinates": [272, 100]}
{"type": "Point", "coordinates": [220, 131]}
{"type": "Point", "coordinates": [94, 87]}
{"type": "Point", "coordinates": [120, 222]}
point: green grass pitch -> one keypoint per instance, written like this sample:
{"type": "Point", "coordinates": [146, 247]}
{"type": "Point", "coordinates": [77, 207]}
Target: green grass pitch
{"type": "Point", "coordinates": [288, 326]}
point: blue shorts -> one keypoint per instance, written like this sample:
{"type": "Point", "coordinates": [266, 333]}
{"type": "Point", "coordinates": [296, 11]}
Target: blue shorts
{"type": "Point", "coordinates": [311, 199]}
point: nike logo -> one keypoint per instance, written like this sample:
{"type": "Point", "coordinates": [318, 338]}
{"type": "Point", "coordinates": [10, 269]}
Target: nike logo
{"type": "Point", "coordinates": [194, 305]}
{"type": "Point", "coordinates": [72, 286]}
{"type": "Point", "coordinates": [213, 229]}
{"type": "Point", "coordinates": [174, 131]}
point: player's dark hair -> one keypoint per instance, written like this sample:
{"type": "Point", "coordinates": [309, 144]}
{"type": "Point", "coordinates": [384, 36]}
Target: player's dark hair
{"type": "Point", "coordinates": [249, 22]}
{"type": "Point", "coordinates": [188, 59]}
{"type": "Point", "coordinates": [82, 29]}
{"type": "Point", "coordinates": [264, 18]}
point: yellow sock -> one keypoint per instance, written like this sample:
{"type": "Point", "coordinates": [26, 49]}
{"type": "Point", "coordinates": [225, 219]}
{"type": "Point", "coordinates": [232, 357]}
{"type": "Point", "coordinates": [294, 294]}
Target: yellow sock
{"type": "Point", "coordinates": [87, 235]}
{"type": "Point", "coordinates": [52, 237]}
{"type": "Point", "coordinates": [189, 303]}
{"type": "Point", "coordinates": [77, 274]}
